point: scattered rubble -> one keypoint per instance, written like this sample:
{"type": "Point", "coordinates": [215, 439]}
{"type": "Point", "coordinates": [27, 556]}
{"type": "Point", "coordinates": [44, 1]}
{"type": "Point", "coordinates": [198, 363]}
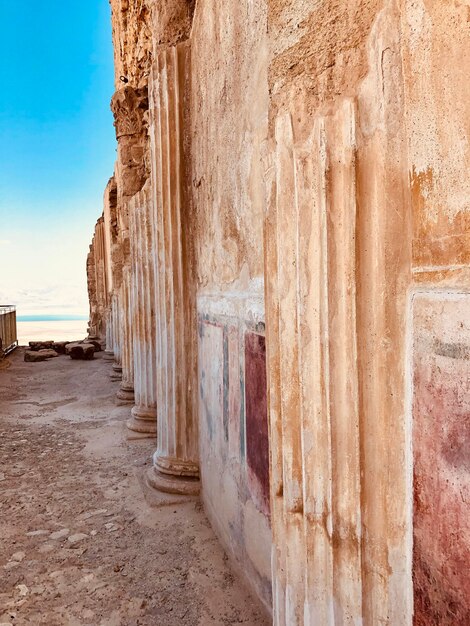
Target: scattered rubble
{"type": "Point", "coordinates": [162, 565]}
{"type": "Point", "coordinates": [31, 356]}
{"type": "Point", "coordinates": [97, 344]}
{"type": "Point", "coordinates": [35, 346]}
{"type": "Point", "coordinates": [59, 346]}
{"type": "Point", "coordinates": [80, 351]}
{"type": "Point", "coordinates": [74, 539]}
{"type": "Point", "coordinates": [77, 350]}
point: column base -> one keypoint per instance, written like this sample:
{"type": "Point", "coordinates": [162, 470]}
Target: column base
{"type": "Point", "coordinates": [126, 394]}
{"type": "Point", "coordinates": [174, 476]}
{"type": "Point", "coordinates": [143, 421]}
{"type": "Point", "coordinates": [116, 374]}
{"type": "Point", "coordinates": [108, 355]}
{"type": "Point", "coordinates": [173, 484]}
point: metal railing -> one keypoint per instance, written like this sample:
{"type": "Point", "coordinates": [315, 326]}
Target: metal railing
{"type": "Point", "coordinates": [8, 334]}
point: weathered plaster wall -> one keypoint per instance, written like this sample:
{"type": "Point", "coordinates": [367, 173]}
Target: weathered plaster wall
{"type": "Point", "coordinates": [140, 27]}
{"type": "Point", "coordinates": [132, 39]}
{"type": "Point", "coordinates": [234, 445]}
{"type": "Point", "coordinates": [318, 51]}
{"type": "Point", "coordinates": [229, 114]}
{"type": "Point", "coordinates": [436, 42]}
{"type": "Point", "coordinates": [228, 136]}
{"type": "Point", "coordinates": [308, 173]}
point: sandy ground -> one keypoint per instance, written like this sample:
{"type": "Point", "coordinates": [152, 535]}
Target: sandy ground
{"type": "Point", "coordinates": [62, 330]}
{"type": "Point", "coordinates": [83, 540]}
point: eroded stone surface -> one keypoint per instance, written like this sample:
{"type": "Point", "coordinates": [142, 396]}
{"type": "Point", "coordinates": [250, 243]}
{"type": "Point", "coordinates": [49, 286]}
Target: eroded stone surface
{"type": "Point", "coordinates": [80, 351]}
{"type": "Point", "coordinates": [41, 345]}
{"type": "Point", "coordinates": [31, 356]}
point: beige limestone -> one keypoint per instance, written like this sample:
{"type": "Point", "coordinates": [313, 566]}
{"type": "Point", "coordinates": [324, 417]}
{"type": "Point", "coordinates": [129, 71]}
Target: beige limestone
{"type": "Point", "coordinates": [296, 171]}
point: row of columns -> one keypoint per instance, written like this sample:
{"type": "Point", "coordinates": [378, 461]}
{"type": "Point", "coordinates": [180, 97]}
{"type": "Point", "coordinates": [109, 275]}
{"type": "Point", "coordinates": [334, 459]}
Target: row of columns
{"type": "Point", "coordinates": [151, 321]}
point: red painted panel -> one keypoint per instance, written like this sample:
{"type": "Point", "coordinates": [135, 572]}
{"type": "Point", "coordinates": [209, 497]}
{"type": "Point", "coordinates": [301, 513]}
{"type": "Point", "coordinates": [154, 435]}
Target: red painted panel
{"type": "Point", "coordinates": [257, 439]}
{"type": "Point", "coordinates": [234, 393]}
{"type": "Point", "coordinates": [441, 449]}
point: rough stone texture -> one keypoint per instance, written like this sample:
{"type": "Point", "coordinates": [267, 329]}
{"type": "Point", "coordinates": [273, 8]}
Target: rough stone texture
{"type": "Point", "coordinates": [59, 346]}
{"type": "Point", "coordinates": [305, 173]}
{"type": "Point", "coordinates": [96, 344]}
{"type": "Point", "coordinates": [80, 351]}
{"type": "Point", "coordinates": [229, 75]}
{"type": "Point", "coordinates": [32, 356]}
{"type": "Point", "coordinates": [41, 345]}
{"type": "Point", "coordinates": [435, 42]}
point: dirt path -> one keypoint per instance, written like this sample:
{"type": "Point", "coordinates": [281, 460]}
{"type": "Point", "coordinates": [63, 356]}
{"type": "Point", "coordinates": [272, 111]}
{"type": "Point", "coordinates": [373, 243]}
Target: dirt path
{"type": "Point", "coordinates": [83, 540]}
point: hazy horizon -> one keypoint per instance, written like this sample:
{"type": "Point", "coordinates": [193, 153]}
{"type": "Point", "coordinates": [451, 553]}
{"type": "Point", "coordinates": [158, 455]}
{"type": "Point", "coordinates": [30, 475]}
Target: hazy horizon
{"type": "Point", "coordinates": [50, 318]}
{"type": "Point", "coordinates": [53, 330]}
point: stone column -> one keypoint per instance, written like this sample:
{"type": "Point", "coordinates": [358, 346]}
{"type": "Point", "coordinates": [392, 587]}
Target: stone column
{"type": "Point", "coordinates": [116, 374]}
{"type": "Point", "coordinates": [91, 283]}
{"type": "Point", "coordinates": [126, 390]}
{"type": "Point", "coordinates": [175, 466]}
{"type": "Point", "coordinates": [144, 413]}
{"type": "Point", "coordinates": [109, 350]}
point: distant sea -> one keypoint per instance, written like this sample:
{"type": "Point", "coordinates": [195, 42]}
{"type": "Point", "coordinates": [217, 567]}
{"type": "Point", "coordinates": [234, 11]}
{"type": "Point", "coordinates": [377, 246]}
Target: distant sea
{"type": "Point", "coordinates": [51, 327]}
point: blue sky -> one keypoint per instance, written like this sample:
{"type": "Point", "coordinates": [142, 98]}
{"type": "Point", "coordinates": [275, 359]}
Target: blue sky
{"type": "Point", "coordinates": [57, 147]}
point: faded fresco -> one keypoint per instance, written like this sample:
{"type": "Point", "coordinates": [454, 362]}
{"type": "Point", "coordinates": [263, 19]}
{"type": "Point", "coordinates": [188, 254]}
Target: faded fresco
{"type": "Point", "coordinates": [441, 445]}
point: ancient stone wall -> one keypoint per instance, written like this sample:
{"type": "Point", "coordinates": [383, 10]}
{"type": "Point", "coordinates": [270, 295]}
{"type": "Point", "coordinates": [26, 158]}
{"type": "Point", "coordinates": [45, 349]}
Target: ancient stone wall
{"type": "Point", "coordinates": [228, 144]}
{"type": "Point", "coordinates": [286, 231]}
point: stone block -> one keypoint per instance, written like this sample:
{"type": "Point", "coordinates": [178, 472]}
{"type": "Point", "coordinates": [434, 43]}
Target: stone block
{"type": "Point", "coordinates": [81, 351]}
{"type": "Point", "coordinates": [41, 345]}
{"type": "Point", "coordinates": [32, 356]}
{"type": "Point", "coordinates": [59, 346]}
{"type": "Point", "coordinates": [96, 344]}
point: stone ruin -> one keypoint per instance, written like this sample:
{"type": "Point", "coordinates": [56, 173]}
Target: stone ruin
{"type": "Point", "coordinates": [83, 350]}
{"type": "Point", "coordinates": [280, 274]}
